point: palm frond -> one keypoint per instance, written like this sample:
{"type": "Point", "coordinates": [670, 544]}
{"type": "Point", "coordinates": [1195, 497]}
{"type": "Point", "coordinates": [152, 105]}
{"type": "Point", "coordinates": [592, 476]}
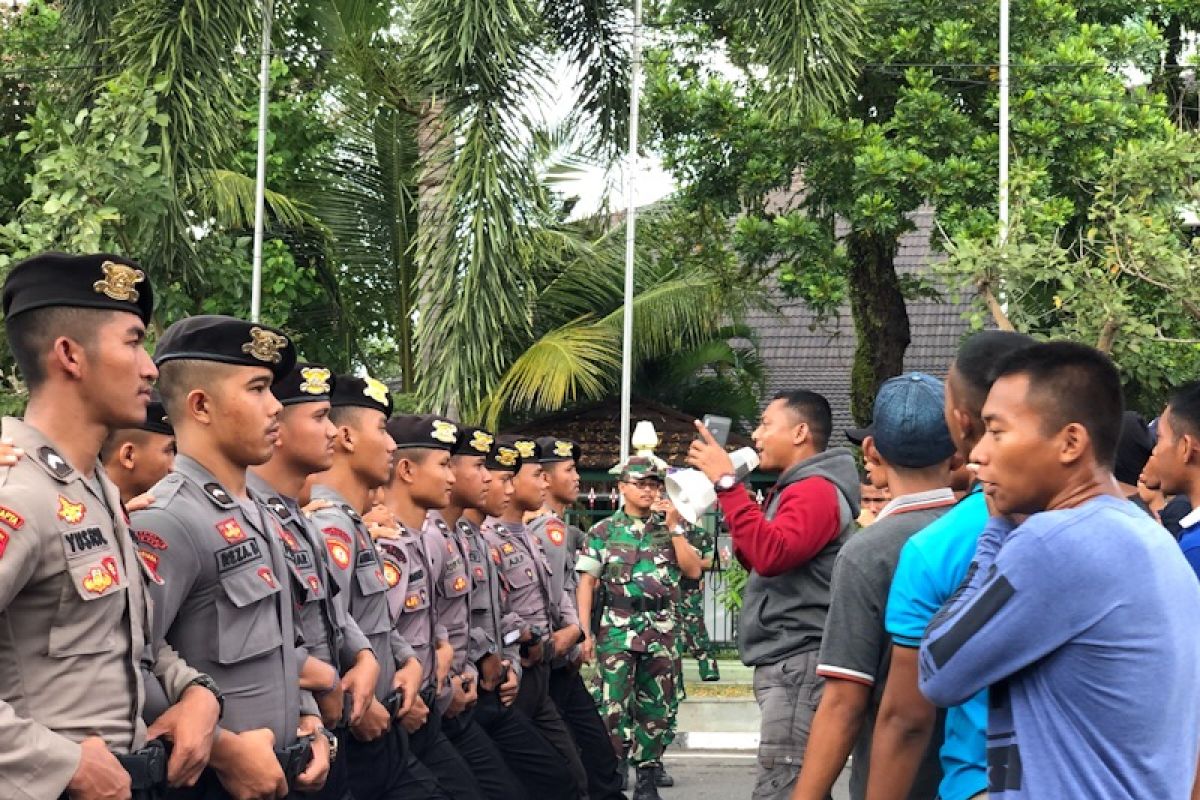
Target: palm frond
{"type": "Point", "coordinates": [228, 197]}
{"type": "Point", "coordinates": [573, 362]}
{"type": "Point", "coordinates": [674, 314]}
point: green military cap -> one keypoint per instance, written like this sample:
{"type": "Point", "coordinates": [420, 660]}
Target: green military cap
{"type": "Point", "coordinates": [423, 430]}
{"type": "Point", "coordinates": [640, 468]}
{"type": "Point", "coordinates": [305, 383]}
{"type": "Point", "coordinates": [101, 280]}
{"type": "Point", "coordinates": [365, 392]}
{"type": "Point", "coordinates": [227, 340]}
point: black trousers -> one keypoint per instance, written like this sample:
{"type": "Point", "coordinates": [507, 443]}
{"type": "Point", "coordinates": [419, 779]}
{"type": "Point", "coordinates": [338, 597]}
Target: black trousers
{"type": "Point", "coordinates": [533, 700]}
{"type": "Point", "coordinates": [431, 747]}
{"type": "Point", "coordinates": [529, 754]}
{"type": "Point", "coordinates": [386, 769]}
{"type": "Point", "coordinates": [492, 773]}
{"type": "Point", "coordinates": [578, 709]}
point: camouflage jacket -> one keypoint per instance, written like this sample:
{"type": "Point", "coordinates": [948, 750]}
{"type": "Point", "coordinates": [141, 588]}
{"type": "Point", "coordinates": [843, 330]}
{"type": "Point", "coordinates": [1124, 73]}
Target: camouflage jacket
{"type": "Point", "coordinates": [634, 561]}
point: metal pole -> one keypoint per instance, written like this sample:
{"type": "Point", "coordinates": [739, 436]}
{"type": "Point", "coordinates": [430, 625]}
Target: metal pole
{"type": "Point", "coordinates": [260, 176]}
{"type": "Point", "coordinates": [635, 75]}
{"type": "Point", "coordinates": [1003, 122]}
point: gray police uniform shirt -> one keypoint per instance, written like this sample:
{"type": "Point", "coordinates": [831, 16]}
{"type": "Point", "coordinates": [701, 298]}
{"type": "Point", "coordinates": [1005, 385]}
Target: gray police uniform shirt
{"type": "Point", "coordinates": [358, 571]}
{"type": "Point", "coordinates": [526, 574]}
{"type": "Point", "coordinates": [557, 545]}
{"type": "Point", "coordinates": [491, 619]}
{"type": "Point", "coordinates": [856, 645]}
{"type": "Point", "coordinates": [330, 634]}
{"type": "Point", "coordinates": [223, 600]}
{"type": "Point", "coordinates": [74, 621]}
{"type": "Point", "coordinates": [453, 588]}
{"type": "Point", "coordinates": [410, 577]}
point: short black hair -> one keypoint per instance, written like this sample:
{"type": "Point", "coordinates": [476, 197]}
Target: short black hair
{"type": "Point", "coordinates": [1073, 383]}
{"type": "Point", "coordinates": [977, 360]}
{"type": "Point", "coordinates": [814, 410]}
{"type": "Point", "coordinates": [116, 438]}
{"type": "Point", "coordinates": [345, 415]}
{"type": "Point", "coordinates": [31, 333]}
{"type": "Point", "coordinates": [176, 379]}
{"type": "Point", "coordinates": [1184, 406]}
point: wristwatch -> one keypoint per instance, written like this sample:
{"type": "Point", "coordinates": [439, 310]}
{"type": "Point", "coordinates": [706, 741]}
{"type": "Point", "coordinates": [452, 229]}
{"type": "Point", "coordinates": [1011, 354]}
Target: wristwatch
{"type": "Point", "coordinates": [725, 482]}
{"type": "Point", "coordinates": [206, 682]}
{"type": "Point", "coordinates": [333, 742]}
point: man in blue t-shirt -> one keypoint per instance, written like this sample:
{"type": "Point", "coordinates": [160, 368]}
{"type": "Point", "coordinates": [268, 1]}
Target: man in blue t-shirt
{"type": "Point", "coordinates": [1069, 614]}
{"type": "Point", "coordinates": [932, 565]}
{"type": "Point", "coordinates": [1176, 462]}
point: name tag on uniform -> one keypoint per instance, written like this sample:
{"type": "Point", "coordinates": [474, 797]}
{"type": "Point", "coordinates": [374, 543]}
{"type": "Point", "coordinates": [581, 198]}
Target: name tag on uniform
{"type": "Point", "coordinates": [232, 557]}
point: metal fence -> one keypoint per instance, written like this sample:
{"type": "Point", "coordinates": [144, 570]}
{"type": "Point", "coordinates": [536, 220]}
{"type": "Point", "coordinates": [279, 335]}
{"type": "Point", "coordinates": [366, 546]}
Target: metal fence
{"type": "Point", "coordinates": [720, 621]}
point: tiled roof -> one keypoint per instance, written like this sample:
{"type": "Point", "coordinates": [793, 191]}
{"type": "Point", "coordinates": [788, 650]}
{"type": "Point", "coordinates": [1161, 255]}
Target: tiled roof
{"type": "Point", "coordinates": [595, 428]}
{"type": "Point", "coordinates": [800, 353]}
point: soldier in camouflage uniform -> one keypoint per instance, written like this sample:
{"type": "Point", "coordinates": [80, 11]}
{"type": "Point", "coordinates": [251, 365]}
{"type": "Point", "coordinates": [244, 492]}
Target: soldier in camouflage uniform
{"type": "Point", "coordinates": [639, 554]}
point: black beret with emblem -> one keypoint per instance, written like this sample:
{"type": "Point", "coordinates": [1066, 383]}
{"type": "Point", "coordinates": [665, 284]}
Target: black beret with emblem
{"type": "Point", "coordinates": [473, 441]}
{"type": "Point", "coordinates": [102, 281]}
{"type": "Point", "coordinates": [423, 430]}
{"type": "Point", "coordinates": [527, 446]}
{"type": "Point", "coordinates": [306, 383]}
{"type": "Point", "coordinates": [227, 340]}
{"type": "Point", "coordinates": [554, 449]}
{"type": "Point", "coordinates": [156, 418]}
{"type": "Point", "coordinates": [503, 458]}
{"type": "Point", "coordinates": [351, 390]}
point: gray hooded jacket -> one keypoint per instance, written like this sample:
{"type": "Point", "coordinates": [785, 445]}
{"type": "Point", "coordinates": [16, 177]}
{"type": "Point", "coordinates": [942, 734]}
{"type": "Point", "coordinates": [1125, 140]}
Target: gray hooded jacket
{"type": "Point", "coordinates": [785, 614]}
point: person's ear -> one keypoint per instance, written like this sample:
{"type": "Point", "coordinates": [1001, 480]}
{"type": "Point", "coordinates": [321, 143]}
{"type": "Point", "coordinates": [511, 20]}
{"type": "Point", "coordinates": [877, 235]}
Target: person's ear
{"type": "Point", "coordinates": [345, 438]}
{"type": "Point", "coordinates": [970, 425]}
{"type": "Point", "coordinates": [871, 453]}
{"type": "Point", "coordinates": [1074, 442]}
{"type": "Point", "coordinates": [126, 456]}
{"type": "Point", "coordinates": [800, 434]}
{"type": "Point", "coordinates": [199, 405]}
{"type": "Point", "coordinates": [1187, 447]}
{"type": "Point", "coordinates": [69, 356]}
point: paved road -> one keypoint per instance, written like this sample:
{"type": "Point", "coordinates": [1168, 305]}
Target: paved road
{"type": "Point", "coordinates": [708, 775]}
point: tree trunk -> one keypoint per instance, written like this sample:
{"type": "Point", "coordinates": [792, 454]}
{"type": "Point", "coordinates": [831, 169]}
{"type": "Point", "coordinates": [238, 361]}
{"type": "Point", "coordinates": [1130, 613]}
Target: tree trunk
{"type": "Point", "coordinates": [880, 319]}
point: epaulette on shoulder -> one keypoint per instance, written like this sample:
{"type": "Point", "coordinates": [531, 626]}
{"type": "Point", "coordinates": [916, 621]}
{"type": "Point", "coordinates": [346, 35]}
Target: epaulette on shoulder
{"type": "Point", "coordinates": [165, 490]}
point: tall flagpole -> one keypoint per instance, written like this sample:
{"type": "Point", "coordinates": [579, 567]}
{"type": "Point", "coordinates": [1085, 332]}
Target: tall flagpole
{"type": "Point", "coordinates": [635, 75]}
{"type": "Point", "coordinates": [260, 175]}
{"type": "Point", "coordinates": [1003, 122]}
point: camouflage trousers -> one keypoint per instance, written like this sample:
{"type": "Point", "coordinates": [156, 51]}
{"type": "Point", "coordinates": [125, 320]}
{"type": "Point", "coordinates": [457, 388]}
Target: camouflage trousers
{"type": "Point", "coordinates": [692, 640]}
{"type": "Point", "coordinates": [635, 696]}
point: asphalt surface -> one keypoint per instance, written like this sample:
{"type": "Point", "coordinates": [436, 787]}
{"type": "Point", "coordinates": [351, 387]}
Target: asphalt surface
{"type": "Point", "coordinates": [711, 775]}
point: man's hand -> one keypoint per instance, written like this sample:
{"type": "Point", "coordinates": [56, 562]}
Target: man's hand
{"type": "Point", "coordinates": [563, 640]}
{"type": "Point", "coordinates": [458, 698]}
{"type": "Point", "coordinates": [314, 775]}
{"type": "Point", "coordinates": [708, 456]}
{"type": "Point", "coordinates": [408, 681]}
{"type": "Point", "coordinates": [99, 775]}
{"type": "Point", "coordinates": [471, 690]}
{"type": "Point", "coordinates": [417, 715]}
{"type": "Point", "coordinates": [491, 672]}
{"type": "Point", "coordinates": [189, 726]}
{"type": "Point", "coordinates": [510, 687]}
{"type": "Point", "coordinates": [139, 503]}
{"type": "Point", "coordinates": [374, 723]}
{"type": "Point", "coordinates": [360, 682]}
{"type": "Point", "coordinates": [588, 649]}
{"type": "Point", "coordinates": [314, 506]}
{"type": "Point", "coordinates": [445, 657]}
{"type": "Point", "coordinates": [331, 704]}
{"type": "Point", "coordinates": [246, 765]}
{"type": "Point", "coordinates": [380, 515]}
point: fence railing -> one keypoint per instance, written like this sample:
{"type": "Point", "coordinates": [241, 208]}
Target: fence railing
{"type": "Point", "coordinates": [720, 621]}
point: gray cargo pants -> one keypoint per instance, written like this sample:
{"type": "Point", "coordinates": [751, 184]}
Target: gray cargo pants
{"type": "Point", "coordinates": [788, 693]}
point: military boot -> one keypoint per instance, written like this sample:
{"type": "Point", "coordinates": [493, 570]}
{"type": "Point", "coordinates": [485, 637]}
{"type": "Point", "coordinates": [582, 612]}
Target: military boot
{"type": "Point", "coordinates": [661, 778]}
{"type": "Point", "coordinates": [645, 788]}
{"type": "Point", "coordinates": [709, 671]}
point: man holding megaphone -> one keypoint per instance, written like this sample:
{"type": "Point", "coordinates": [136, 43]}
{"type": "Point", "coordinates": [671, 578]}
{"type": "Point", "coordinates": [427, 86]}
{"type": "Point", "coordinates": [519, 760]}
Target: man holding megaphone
{"type": "Point", "coordinates": [789, 547]}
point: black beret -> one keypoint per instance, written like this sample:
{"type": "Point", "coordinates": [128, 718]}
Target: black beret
{"type": "Point", "coordinates": [423, 430]}
{"type": "Point", "coordinates": [101, 280]}
{"type": "Point", "coordinates": [527, 446]}
{"type": "Point", "coordinates": [351, 390]}
{"type": "Point", "coordinates": [554, 449]}
{"type": "Point", "coordinates": [227, 340]}
{"type": "Point", "coordinates": [156, 418]}
{"type": "Point", "coordinates": [503, 458]}
{"type": "Point", "coordinates": [305, 383]}
{"type": "Point", "coordinates": [473, 441]}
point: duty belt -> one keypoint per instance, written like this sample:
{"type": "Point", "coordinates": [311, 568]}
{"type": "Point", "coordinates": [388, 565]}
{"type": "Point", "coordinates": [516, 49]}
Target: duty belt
{"type": "Point", "coordinates": [295, 758]}
{"type": "Point", "coordinates": [641, 605]}
{"type": "Point", "coordinates": [689, 584]}
{"type": "Point", "coordinates": [147, 768]}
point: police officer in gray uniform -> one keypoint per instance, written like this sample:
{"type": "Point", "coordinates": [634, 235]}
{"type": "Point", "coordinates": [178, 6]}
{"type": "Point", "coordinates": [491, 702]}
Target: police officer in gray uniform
{"type": "Point", "coordinates": [381, 762]}
{"type": "Point", "coordinates": [561, 543]}
{"type": "Point", "coordinates": [74, 615]}
{"type": "Point", "coordinates": [333, 643]}
{"type": "Point", "coordinates": [223, 598]}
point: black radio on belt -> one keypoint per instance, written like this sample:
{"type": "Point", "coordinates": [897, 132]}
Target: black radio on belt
{"type": "Point", "coordinates": [295, 758]}
{"type": "Point", "coordinates": [147, 767]}
{"type": "Point", "coordinates": [536, 635]}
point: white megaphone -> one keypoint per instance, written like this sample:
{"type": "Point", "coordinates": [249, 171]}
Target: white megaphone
{"type": "Point", "coordinates": [692, 492]}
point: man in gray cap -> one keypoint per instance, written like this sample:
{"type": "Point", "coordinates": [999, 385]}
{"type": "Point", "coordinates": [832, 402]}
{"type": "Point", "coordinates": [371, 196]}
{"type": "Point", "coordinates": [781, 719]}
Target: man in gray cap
{"type": "Point", "coordinates": [222, 597]}
{"type": "Point", "coordinates": [74, 615]}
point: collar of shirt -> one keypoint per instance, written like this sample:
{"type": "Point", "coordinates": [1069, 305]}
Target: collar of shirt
{"type": "Point", "coordinates": [1192, 518]}
{"type": "Point", "coordinates": [917, 501]}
